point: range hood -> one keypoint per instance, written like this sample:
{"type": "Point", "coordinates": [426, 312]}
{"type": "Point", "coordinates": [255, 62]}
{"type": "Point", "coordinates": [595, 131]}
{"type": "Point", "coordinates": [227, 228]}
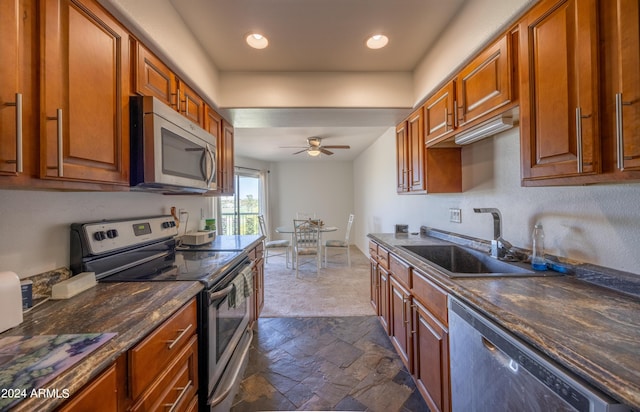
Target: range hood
{"type": "Point", "coordinates": [486, 129]}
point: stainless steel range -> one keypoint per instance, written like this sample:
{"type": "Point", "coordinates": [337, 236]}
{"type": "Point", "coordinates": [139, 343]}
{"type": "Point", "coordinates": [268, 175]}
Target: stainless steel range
{"type": "Point", "coordinates": [144, 250]}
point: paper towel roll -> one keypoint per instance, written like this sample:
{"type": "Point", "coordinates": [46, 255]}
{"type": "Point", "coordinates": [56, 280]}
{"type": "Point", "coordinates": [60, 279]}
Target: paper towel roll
{"type": "Point", "coordinates": [10, 301]}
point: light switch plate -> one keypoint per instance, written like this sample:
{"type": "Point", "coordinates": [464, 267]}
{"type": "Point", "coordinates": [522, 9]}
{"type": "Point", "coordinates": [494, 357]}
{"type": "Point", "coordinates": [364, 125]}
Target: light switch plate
{"type": "Point", "coordinates": [455, 215]}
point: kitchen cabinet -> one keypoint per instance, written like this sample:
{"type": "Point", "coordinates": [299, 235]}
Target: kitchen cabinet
{"type": "Point", "coordinates": [85, 93]}
{"type": "Point", "coordinates": [226, 164]}
{"type": "Point", "coordinates": [559, 121]}
{"type": "Point", "coordinates": [439, 111]}
{"type": "Point", "coordinates": [153, 77]}
{"type": "Point", "coordinates": [11, 93]}
{"type": "Point", "coordinates": [379, 266]}
{"type": "Point", "coordinates": [400, 320]}
{"type": "Point", "coordinates": [485, 85]}
{"type": "Point", "coordinates": [100, 395]}
{"type": "Point", "coordinates": [163, 368]}
{"type": "Point", "coordinates": [421, 169]}
{"type": "Point", "coordinates": [620, 60]}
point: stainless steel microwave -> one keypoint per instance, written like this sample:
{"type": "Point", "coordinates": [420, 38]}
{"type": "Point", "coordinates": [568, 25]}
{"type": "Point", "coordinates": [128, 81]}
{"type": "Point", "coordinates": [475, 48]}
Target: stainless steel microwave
{"type": "Point", "coordinates": [169, 153]}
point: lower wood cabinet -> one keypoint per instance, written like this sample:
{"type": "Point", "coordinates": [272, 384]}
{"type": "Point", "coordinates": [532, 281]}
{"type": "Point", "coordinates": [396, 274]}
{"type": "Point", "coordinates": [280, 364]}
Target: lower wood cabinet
{"type": "Point", "coordinates": [100, 395]}
{"type": "Point", "coordinates": [413, 310]}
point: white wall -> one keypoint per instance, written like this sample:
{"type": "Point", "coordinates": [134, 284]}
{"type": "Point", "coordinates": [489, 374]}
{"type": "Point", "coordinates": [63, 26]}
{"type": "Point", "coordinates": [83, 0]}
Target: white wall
{"type": "Point", "coordinates": [35, 225]}
{"type": "Point", "coordinates": [325, 189]}
{"type": "Point", "coordinates": [596, 224]}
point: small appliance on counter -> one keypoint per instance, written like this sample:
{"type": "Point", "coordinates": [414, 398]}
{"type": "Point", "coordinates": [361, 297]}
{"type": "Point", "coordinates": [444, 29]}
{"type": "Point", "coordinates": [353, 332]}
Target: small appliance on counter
{"type": "Point", "coordinates": [10, 301]}
{"type": "Point", "coordinates": [198, 238]}
{"type": "Point", "coordinates": [402, 229]}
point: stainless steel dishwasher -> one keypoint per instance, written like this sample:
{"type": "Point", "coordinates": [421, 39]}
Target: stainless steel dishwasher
{"type": "Point", "coordinates": [492, 371]}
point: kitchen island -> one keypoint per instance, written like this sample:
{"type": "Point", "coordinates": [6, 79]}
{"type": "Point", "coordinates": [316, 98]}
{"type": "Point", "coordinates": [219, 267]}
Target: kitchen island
{"type": "Point", "coordinates": [591, 331]}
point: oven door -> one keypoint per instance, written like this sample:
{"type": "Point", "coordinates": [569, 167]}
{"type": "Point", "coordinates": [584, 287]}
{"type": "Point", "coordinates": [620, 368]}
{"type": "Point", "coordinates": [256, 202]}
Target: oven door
{"type": "Point", "coordinates": [228, 320]}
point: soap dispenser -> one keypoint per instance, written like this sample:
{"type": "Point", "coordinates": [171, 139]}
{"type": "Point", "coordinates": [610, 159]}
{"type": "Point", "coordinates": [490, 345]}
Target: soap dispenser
{"type": "Point", "coordinates": [538, 261]}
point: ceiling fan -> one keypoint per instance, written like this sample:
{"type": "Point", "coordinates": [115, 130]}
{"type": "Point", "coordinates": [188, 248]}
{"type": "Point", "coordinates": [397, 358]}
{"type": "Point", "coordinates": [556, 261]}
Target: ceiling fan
{"type": "Point", "coordinates": [315, 147]}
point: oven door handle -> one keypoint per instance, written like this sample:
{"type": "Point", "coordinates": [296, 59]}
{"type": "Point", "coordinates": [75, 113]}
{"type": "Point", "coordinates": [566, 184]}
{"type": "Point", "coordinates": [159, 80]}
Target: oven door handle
{"type": "Point", "coordinates": [136, 263]}
{"type": "Point", "coordinates": [221, 293]}
{"type": "Point", "coordinates": [213, 401]}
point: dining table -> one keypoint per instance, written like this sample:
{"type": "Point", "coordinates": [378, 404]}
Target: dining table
{"type": "Point", "coordinates": [288, 229]}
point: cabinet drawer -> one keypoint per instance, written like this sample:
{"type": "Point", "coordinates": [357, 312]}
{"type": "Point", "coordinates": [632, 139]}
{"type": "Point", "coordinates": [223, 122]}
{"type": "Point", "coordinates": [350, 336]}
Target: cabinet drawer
{"type": "Point", "coordinates": [430, 295]}
{"type": "Point", "coordinates": [373, 249]}
{"type": "Point", "coordinates": [383, 257]}
{"type": "Point", "coordinates": [152, 355]}
{"type": "Point", "coordinates": [175, 387]}
{"type": "Point", "coordinates": [400, 270]}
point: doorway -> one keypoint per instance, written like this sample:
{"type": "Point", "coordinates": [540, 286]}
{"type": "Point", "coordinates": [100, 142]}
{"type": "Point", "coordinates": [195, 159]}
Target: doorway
{"type": "Point", "coordinates": [238, 214]}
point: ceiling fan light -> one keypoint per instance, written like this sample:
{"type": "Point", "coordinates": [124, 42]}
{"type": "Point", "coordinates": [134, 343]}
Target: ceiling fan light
{"type": "Point", "coordinates": [257, 40]}
{"type": "Point", "coordinates": [377, 41]}
{"type": "Point", "coordinates": [313, 152]}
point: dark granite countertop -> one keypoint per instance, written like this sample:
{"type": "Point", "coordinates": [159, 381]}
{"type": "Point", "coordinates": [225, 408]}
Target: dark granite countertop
{"type": "Point", "coordinates": [132, 310]}
{"type": "Point", "coordinates": [591, 331]}
{"type": "Point", "coordinates": [230, 242]}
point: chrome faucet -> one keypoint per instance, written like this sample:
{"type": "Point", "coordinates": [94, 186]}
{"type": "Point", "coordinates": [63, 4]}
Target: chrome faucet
{"type": "Point", "coordinates": [499, 246]}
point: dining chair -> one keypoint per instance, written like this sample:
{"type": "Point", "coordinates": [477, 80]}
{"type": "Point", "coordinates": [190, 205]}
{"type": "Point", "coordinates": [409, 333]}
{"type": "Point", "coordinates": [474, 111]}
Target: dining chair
{"type": "Point", "coordinates": [306, 243]}
{"type": "Point", "coordinates": [340, 244]}
{"type": "Point", "coordinates": [273, 245]}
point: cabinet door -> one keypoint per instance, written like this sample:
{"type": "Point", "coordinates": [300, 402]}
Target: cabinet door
{"type": "Point", "coordinates": [98, 395]}
{"type": "Point", "coordinates": [10, 101]}
{"type": "Point", "coordinates": [228, 164]}
{"type": "Point", "coordinates": [85, 83]}
{"type": "Point", "coordinates": [628, 93]}
{"type": "Point", "coordinates": [383, 302]}
{"type": "Point", "coordinates": [374, 286]}
{"type": "Point", "coordinates": [400, 318]}
{"type": "Point", "coordinates": [485, 84]}
{"type": "Point", "coordinates": [431, 359]}
{"type": "Point", "coordinates": [153, 77]}
{"type": "Point", "coordinates": [190, 104]}
{"type": "Point", "coordinates": [438, 114]}
{"type": "Point", "coordinates": [559, 90]}
{"type": "Point", "coordinates": [415, 129]}
{"type": "Point", "coordinates": [402, 161]}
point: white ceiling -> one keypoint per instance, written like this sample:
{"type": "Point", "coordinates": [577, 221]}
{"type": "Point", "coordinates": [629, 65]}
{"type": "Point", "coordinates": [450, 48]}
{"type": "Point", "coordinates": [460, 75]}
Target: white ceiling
{"type": "Point", "coordinates": [314, 36]}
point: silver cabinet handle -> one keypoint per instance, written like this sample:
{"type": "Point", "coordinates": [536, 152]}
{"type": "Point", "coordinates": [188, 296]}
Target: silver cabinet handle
{"type": "Point", "coordinates": [18, 106]}
{"type": "Point", "coordinates": [183, 391]}
{"type": "Point", "coordinates": [579, 138]}
{"type": "Point", "coordinates": [183, 332]}
{"type": "Point", "coordinates": [620, 129]}
{"type": "Point", "coordinates": [58, 118]}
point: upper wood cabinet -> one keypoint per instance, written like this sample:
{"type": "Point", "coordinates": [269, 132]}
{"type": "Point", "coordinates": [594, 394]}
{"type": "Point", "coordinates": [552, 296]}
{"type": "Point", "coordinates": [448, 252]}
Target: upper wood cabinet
{"type": "Point", "coordinates": [153, 77]}
{"type": "Point", "coordinates": [228, 163]}
{"type": "Point", "coordinates": [621, 98]}
{"type": "Point", "coordinates": [85, 91]}
{"type": "Point", "coordinates": [439, 111]}
{"type": "Point", "coordinates": [11, 154]}
{"type": "Point", "coordinates": [485, 84]}
{"type": "Point", "coordinates": [559, 120]}
{"type": "Point", "coordinates": [421, 169]}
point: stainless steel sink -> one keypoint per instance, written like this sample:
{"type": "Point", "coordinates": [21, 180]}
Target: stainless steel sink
{"type": "Point", "coordinates": [458, 261]}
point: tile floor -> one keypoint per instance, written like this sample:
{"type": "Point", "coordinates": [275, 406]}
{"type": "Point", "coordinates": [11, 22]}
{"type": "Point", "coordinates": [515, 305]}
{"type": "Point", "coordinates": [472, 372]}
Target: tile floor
{"type": "Point", "coordinates": [320, 364]}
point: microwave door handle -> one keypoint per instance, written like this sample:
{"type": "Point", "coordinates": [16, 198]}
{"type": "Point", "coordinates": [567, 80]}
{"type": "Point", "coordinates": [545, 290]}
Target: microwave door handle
{"type": "Point", "coordinates": [212, 173]}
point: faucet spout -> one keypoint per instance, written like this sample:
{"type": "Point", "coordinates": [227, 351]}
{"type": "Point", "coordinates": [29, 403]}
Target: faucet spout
{"type": "Point", "coordinates": [497, 219]}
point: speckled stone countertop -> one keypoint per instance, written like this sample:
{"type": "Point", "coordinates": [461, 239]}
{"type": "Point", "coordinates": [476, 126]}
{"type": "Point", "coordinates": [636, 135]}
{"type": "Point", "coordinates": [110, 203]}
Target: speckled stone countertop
{"type": "Point", "coordinates": [592, 331]}
{"type": "Point", "coordinates": [132, 310]}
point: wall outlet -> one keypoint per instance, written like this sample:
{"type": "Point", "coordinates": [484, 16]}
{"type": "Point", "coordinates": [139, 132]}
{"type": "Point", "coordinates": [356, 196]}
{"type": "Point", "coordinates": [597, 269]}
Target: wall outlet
{"type": "Point", "coordinates": [455, 215]}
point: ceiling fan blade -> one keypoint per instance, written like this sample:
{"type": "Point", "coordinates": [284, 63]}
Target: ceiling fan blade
{"type": "Point", "coordinates": [325, 151]}
{"type": "Point", "coordinates": [301, 151]}
{"type": "Point", "coordinates": [343, 146]}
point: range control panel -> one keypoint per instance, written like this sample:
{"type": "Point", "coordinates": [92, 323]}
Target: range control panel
{"type": "Point", "coordinates": [107, 236]}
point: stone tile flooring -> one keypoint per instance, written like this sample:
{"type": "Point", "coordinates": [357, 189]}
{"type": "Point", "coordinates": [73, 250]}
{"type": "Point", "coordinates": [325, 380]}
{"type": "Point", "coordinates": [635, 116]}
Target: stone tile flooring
{"type": "Point", "coordinates": [320, 364]}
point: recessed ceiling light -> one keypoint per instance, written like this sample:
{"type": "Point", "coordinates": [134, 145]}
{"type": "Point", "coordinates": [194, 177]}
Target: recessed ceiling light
{"type": "Point", "coordinates": [257, 40]}
{"type": "Point", "coordinates": [377, 41]}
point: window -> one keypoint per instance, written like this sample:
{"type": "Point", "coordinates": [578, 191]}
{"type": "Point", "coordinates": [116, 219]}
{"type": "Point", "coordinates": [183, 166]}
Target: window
{"type": "Point", "coordinates": [238, 214]}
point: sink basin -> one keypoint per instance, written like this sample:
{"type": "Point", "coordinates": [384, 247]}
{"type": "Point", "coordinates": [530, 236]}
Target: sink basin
{"type": "Point", "coordinates": [458, 261]}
